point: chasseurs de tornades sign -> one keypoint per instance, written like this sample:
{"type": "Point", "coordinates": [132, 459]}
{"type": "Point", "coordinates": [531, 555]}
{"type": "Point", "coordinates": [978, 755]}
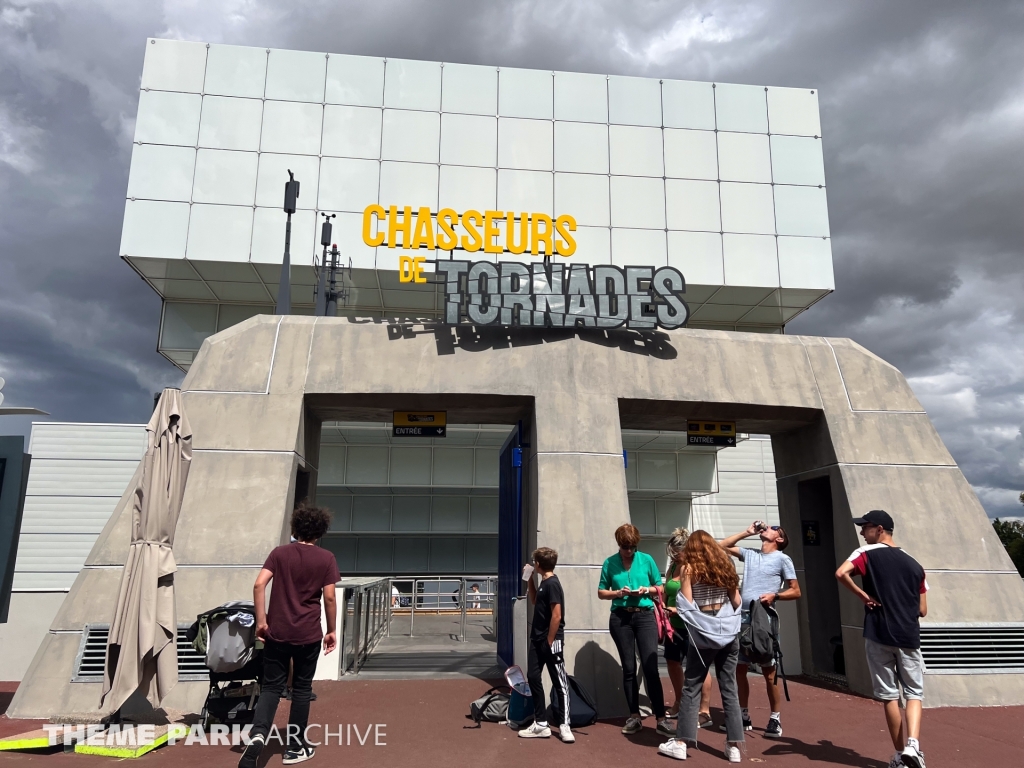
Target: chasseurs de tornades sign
{"type": "Point", "coordinates": [562, 295]}
{"type": "Point", "coordinates": [517, 232]}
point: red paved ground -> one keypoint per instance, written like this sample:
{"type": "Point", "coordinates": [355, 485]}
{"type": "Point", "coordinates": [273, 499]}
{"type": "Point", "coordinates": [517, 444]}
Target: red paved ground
{"type": "Point", "coordinates": [425, 727]}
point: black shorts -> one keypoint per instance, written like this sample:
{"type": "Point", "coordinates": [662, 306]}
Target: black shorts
{"type": "Point", "coordinates": [676, 649]}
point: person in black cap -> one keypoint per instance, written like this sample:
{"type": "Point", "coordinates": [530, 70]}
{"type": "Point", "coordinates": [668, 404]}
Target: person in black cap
{"type": "Point", "coordinates": [895, 599]}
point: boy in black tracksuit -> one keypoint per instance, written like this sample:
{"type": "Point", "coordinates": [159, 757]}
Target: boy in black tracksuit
{"type": "Point", "coordinates": [546, 646]}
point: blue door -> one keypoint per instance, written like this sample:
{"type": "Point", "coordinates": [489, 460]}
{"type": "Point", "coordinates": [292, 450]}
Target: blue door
{"type": "Point", "coordinates": [510, 538]}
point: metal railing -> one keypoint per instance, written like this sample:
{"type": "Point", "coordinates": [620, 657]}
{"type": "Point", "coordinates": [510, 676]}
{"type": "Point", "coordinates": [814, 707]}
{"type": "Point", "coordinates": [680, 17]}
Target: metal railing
{"type": "Point", "coordinates": [364, 609]}
{"type": "Point", "coordinates": [435, 595]}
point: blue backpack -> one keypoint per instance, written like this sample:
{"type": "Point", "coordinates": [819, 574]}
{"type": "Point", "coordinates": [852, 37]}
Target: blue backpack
{"type": "Point", "coordinates": [520, 702]}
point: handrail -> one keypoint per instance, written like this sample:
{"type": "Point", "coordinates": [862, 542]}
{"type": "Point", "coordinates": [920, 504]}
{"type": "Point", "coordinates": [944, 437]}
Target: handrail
{"type": "Point", "coordinates": [422, 599]}
{"type": "Point", "coordinates": [365, 617]}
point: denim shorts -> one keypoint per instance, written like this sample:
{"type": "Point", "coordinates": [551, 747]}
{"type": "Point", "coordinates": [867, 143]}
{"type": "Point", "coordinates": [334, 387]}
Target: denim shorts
{"type": "Point", "coordinates": [892, 668]}
{"type": "Point", "coordinates": [676, 650]}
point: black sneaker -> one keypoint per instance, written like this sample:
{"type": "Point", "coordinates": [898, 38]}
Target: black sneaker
{"type": "Point", "coordinates": [300, 755]}
{"type": "Point", "coordinates": [252, 751]}
{"type": "Point", "coordinates": [774, 729]}
{"type": "Point", "coordinates": [747, 725]}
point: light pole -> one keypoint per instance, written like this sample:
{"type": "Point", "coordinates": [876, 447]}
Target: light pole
{"type": "Point", "coordinates": [321, 288]}
{"type": "Point", "coordinates": [284, 289]}
{"type": "Point", "coordinates": [332, 294]}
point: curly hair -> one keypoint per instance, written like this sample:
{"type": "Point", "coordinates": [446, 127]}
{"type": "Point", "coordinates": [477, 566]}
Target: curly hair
{"type": "Point", "coordinates": [708, 563]}
{"type": "Point", "coordinates": [310, 523]}
{"type": "Point", "coordinates": [673, 547]}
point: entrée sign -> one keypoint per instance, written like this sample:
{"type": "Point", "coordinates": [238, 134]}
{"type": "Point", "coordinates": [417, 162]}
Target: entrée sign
{"type": "Point", "coordinates": [562, 296]}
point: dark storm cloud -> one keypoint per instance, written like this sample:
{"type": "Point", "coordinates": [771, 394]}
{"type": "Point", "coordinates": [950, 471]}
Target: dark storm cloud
{"type": "Point", "coordinates": [922, 108]}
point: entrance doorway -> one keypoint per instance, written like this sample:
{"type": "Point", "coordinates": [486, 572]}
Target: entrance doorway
{"type": "Point", "coordinates": [422, 513]}
{"type": "Point", "coordinates": [821, 587]}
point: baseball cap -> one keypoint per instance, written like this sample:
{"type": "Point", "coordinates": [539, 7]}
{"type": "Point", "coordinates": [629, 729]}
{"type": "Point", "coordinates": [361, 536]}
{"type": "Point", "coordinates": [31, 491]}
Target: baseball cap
{"type": "Point", "coordinates": [876, 517]}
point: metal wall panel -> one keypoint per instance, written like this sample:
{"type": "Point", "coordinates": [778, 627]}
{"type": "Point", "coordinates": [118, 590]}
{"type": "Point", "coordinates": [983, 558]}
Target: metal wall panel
{"type": "Point", "coordinates": [125, 442]}
{"type": "Point", "coordinates": [78, 474]}
{"type": "Point", "coordinates": [70, 514]}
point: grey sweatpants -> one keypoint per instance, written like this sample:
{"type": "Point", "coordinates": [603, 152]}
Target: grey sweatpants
{"type": "Point", "coordinates": [697, 663]}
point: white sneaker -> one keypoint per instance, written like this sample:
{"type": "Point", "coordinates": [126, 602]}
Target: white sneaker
{"type": "Point", "coordinates": [300, 755]}
{"type": "Point", "coordinates": [732, 753]}
{"type": "Point", "coordinates": [673, 748]}
{"type": "Point", "coordinates": [913, 757]}
{"type": "Point", "coordinates": [896, 761]}
{"type": "Point", "coordinates": [565, 734]}
{"type": "Point", "coordinates": [633, 725]}
{"type": "Point", "coordinates": [535, 732]}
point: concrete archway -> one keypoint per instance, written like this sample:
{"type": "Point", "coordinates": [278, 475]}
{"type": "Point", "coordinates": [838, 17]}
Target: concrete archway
{"type": "Point", "coordinates": [833, 409]}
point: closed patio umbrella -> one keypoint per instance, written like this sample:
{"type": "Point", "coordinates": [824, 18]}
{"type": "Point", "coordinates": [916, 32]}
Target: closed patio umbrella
{"type": "Point", "coordinates": [142, 648]}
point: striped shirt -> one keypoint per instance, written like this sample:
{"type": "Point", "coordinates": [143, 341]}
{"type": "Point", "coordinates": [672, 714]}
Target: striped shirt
{"type": "Point", "coordinates": [708, 594]}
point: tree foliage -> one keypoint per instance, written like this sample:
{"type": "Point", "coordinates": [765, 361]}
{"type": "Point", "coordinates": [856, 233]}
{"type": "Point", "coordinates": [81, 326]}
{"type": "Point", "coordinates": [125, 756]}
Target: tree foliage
{"type": "Point", "coordinates": [1011, 534]}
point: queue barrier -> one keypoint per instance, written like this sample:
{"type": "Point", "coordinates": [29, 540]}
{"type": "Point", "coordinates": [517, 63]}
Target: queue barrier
{"type": "Point", "coordinates": [364, 613]}
{"type": "Point", "coordinates": [436, 595]}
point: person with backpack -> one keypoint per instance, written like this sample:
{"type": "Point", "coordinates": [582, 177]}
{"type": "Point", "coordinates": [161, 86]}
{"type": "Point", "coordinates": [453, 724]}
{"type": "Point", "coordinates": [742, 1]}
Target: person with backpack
{"type": "Point", "coordinates": [290, 628]}
{"type": "Point", "coordinates": [709, 605]}
{"type": "Point", "coordinates": [677, 646]}
{"type": "Point", "coordinates": [546, 646]}
{"type": "Point", "coordinates": [895, 597]}
{"type": "Point", "coordinates": [629, 579]}
{"type": "Point", "coordinates": [768, 576]}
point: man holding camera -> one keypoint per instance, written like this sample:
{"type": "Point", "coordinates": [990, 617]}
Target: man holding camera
{"type": "Point", "coordinates": [768, 576]}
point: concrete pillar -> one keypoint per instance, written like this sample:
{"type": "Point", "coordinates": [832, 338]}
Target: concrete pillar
{"type": "Point", "coordinates": [581, 500]}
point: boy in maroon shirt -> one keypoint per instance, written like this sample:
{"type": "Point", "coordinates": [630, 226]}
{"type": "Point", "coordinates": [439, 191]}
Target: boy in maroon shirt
{"type": "Point", "coordinates": [291, 630]}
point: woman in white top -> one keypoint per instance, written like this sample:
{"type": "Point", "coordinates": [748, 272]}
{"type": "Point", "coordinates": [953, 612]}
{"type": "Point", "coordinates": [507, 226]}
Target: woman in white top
{"type": "Point", "coordinates": [709, 581]}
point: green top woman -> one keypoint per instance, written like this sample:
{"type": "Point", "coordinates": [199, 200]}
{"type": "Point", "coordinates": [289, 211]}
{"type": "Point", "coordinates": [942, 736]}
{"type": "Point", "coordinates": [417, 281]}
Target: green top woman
{"type": "Point", "coordinates": [629, 578]}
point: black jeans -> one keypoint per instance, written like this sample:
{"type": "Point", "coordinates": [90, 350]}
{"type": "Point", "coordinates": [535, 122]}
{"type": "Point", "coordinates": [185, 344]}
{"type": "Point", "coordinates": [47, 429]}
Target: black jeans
{"type": "Point", "coordinates": [635, 631]}
{"type": "Point", "coordinates": [538, 656]}
{"type": "Point", "coordinates": [275, 676]}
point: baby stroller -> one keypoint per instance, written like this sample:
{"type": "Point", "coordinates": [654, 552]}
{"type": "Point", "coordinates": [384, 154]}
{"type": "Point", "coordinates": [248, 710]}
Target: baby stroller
{"type": "Point", "coordinates": [226, 635]}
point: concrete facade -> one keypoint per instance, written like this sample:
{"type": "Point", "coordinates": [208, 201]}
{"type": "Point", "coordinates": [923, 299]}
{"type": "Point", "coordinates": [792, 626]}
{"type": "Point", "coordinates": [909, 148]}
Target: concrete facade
{"type": "Point", "coordinates": [257, 393]}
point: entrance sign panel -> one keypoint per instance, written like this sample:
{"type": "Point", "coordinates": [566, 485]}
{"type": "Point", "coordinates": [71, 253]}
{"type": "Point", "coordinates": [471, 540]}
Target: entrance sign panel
{"type": "Point", "coordinates": [711, 433]}
{"type": "Point", "coordinates": [419, 423]}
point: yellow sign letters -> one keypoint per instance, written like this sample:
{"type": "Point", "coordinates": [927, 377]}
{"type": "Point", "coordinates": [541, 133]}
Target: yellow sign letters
{"type": "Point", "coordinates": [490, 231]}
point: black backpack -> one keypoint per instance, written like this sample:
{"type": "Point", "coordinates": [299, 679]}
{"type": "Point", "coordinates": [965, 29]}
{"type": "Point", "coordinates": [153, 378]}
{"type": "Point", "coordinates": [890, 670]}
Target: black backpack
{"type": "Point", "coordinates": [582, 709]}
{"type": "Point", "coordinates": [492, 707]}
{"type": "Point", "coordinates": [759, 640]}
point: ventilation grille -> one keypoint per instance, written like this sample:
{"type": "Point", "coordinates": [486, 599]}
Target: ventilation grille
{"type": "Point", "coordinates": [92, 655]}
{"type": "Point", "coordinates": [994, 647]}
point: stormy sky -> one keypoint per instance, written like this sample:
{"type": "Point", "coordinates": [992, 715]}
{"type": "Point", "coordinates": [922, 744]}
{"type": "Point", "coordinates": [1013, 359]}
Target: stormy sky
{"type": "Point", "coordinates": [922, 111]}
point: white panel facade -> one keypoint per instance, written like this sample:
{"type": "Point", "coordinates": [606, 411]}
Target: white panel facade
{"type": "Point", "coordinates": [252, 100]}
{"type": "Point", "coordinates": [78, 474]}
{"type": "Point", "coordinates": [652, 171]}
